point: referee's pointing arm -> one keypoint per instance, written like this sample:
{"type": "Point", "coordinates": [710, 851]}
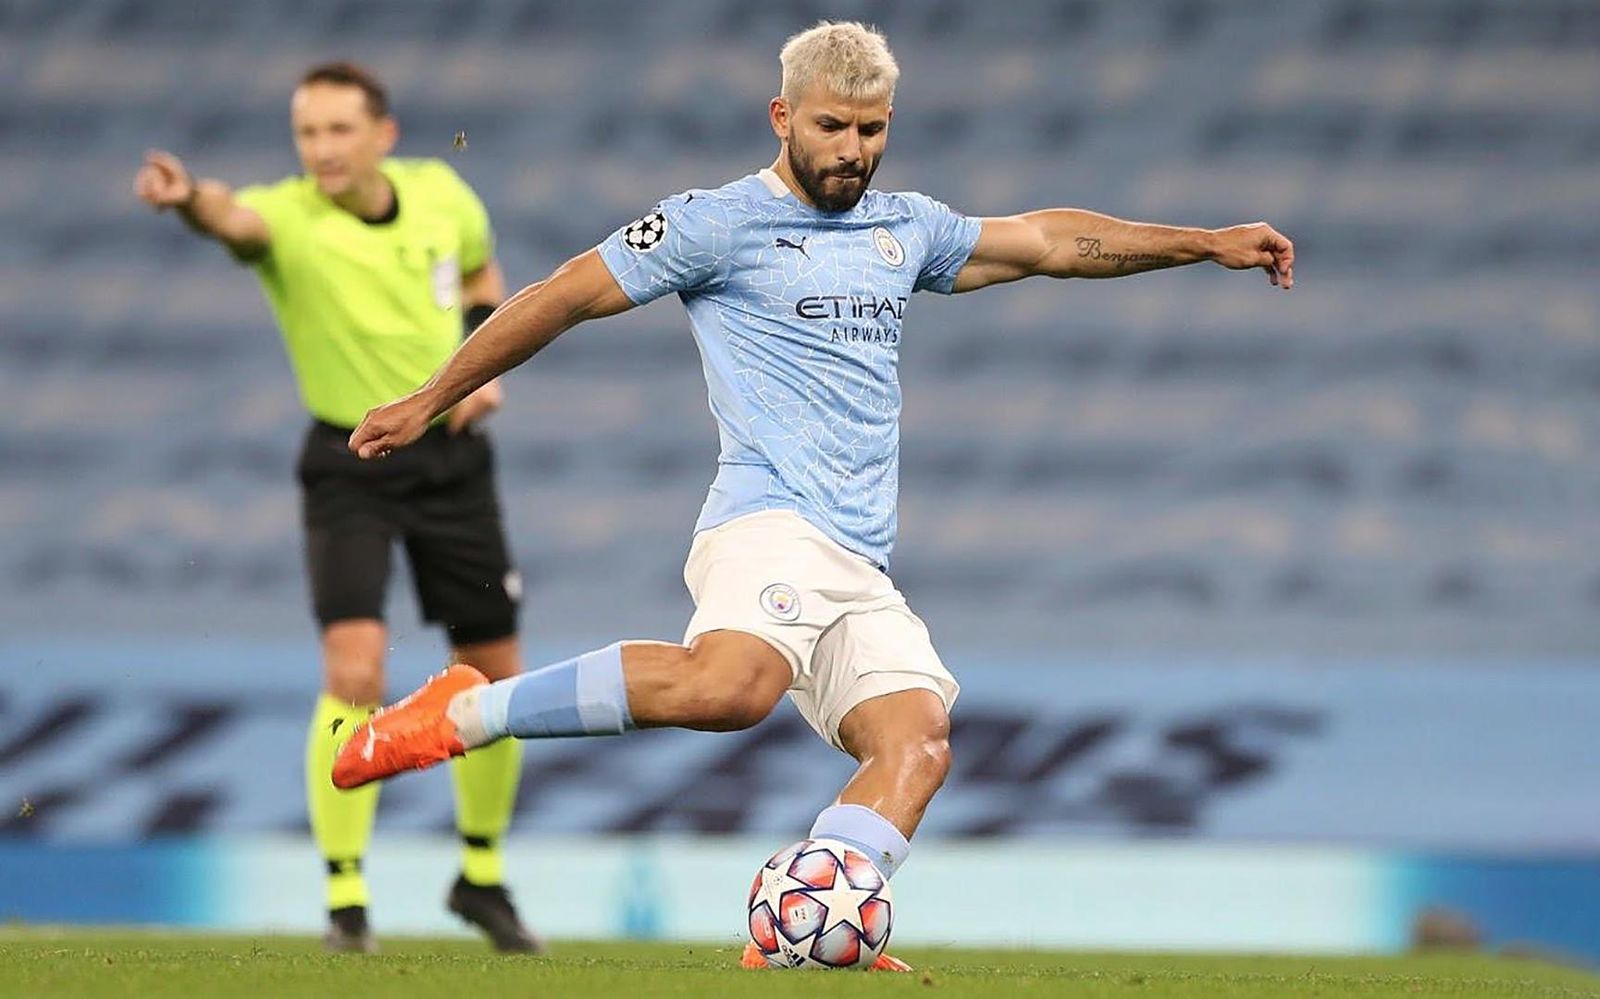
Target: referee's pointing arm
{"type": "Point", "coordinates": [206, 206]}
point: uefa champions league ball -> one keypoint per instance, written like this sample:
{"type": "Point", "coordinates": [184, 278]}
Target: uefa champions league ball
{"type": "Point", "coordinates": [820, 904]}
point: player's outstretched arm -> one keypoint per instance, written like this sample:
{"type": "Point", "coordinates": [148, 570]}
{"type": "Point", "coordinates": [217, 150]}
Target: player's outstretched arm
{"type": "Point", "coordinates": [206, 206]}
{"type": "Point", "coordinates": [1069, 242]}
{"type": "Point", "coordinates": [482, 291]}
{"type": "Point", "coordinates": [580, 289]}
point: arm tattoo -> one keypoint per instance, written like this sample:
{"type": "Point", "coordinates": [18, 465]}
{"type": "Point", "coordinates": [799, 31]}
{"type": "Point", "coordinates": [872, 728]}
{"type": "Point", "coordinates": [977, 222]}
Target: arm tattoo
{"type": "Point", "coordinates": [1091, 249]}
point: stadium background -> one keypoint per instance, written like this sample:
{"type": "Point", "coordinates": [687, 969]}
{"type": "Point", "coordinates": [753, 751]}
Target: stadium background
{"type": "Point", "coordinates": [1276, 614]}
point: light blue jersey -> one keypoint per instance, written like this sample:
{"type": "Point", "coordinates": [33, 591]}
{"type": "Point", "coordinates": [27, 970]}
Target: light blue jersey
{"type": "Point", "coordinates": [797, 314]}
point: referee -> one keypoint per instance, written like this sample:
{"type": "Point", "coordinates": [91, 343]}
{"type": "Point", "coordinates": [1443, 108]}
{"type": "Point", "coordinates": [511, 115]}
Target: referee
{"type": "Point", "coordinates": [372, 267]}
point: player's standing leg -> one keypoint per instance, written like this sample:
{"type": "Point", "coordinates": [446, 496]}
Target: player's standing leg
{"type": "Point", "coordinates": [902, 741]}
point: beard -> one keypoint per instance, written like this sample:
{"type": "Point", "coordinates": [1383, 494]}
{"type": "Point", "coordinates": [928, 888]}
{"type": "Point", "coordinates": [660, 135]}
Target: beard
{"type": "Point", "coordinates": [814, 181]}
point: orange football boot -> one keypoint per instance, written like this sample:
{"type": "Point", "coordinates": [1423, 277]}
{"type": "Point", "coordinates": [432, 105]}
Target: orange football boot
{"type": "Point", "coordinates": [752, 959]}
{"type": "Point", "coordinates": [411, 734]}
{"type": "Point", "coordinates": [887, 963]}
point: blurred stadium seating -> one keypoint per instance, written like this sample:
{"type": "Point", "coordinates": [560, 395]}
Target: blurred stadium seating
{"type": "Point", "coordinates": [1132, 510]}
{"type": "Point", "coordinates": [1399, 457]}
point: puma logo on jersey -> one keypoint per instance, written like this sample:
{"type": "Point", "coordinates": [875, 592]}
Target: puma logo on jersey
{"type": "Point", "coordinates": [784, 244]}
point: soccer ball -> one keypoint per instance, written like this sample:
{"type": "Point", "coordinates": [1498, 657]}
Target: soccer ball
{"type": "Point", "coordinates": [820, 904]}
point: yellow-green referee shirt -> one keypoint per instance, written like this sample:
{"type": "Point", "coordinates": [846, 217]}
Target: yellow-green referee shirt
{"type": "Point", "coordinates": [369, 311]}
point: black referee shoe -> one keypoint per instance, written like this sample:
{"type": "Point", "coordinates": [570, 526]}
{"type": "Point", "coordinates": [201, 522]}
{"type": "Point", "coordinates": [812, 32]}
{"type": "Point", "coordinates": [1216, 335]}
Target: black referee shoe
{"type": "Point", "coordinates": [489, 908]}
{"type": "Point", "coordinates": [348, 932]}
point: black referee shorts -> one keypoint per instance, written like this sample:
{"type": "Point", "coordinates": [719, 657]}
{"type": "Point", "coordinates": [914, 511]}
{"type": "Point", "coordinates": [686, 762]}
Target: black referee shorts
{"type": "Point", "coordinates": [437, 497]}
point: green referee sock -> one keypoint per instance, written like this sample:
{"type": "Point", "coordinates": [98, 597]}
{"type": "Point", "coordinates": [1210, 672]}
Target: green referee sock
{"type": "Point", "coordinates": [486, 791]}
{"type": "Point", "coordinates": [341, 821]}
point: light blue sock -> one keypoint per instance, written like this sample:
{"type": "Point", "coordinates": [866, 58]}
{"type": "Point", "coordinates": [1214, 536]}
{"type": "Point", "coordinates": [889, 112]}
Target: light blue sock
{"type": "Point", "coordinates": [582, 696]}
{"type": "Point", "coordinates": [867, 831]}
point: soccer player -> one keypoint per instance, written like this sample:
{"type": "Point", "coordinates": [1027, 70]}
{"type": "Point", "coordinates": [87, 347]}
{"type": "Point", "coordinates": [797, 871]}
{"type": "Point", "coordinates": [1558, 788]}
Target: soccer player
{"type": "Point", "coordinates": [372, 267]}
{"type": "Point", "coordinates": [796, 281]}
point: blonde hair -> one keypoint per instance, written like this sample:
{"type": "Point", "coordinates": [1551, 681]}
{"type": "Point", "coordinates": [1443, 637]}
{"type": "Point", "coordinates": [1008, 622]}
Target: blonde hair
{"type": "Point", "coordinates": [849, 58]}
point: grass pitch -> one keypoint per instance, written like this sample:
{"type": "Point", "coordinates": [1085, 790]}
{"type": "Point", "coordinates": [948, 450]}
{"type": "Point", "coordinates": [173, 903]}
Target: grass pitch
{"type": "Point", "coordinates": [124, 965]}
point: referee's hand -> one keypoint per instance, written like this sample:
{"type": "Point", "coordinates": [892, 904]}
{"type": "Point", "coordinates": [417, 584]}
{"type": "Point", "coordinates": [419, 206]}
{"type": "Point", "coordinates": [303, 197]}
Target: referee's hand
{"type": "Point", "coordinates": [163, 181]}
{"type": "Point", "coordinates": [392, 425]}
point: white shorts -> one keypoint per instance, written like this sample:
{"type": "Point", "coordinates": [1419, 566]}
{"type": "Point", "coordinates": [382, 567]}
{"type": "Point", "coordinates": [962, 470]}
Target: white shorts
{"type": "Point", "coordinates": [846, 631]}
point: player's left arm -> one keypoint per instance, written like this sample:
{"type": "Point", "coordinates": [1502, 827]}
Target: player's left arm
{"type": "Point", "coordinates": [1070, 242]}
{"type": "Point", "coordinates": [482, 291]}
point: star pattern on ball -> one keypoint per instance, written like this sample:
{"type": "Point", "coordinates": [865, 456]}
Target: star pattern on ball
{"type": "Point", "coordinates": [843, 902]}
{"type": "Point", "coordinates": [774, 882]}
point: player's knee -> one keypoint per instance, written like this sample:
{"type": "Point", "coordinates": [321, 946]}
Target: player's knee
{"type": "Point", "coordinates": [733, 711]}
{"type": "Point", "coordinates": [926, 760]}
{"type": "Point", "coordinates": [920, 754]}
{"type": "Point", "coordinates": [724, 693]}
{"type": "Point", "coordinates": [729, 702]}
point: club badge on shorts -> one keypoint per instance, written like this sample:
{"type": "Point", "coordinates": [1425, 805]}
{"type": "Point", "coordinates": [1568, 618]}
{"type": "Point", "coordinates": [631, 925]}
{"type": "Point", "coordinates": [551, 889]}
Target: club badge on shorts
{"type": "Point", "coordinates": [781, 601]}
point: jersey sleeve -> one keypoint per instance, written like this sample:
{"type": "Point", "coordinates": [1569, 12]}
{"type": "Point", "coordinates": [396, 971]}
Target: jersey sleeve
{"type": "Point", "coordinates": [949, 238]}
{"type": "Point", "coordinates": [682, 245]}
{"type": "Point", "coordinates": [278, 206]}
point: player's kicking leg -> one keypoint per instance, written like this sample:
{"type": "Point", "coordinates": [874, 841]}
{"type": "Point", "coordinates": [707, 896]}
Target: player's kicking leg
{"type": "Point", "coordinates": [724, 681]}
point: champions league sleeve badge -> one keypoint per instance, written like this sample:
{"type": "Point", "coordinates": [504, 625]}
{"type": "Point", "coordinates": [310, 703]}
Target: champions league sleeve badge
{"type": "Point", "coordinates": [645, 234]}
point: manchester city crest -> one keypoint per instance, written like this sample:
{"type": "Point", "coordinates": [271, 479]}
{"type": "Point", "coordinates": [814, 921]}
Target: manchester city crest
{"type": "Point", "coordinates": [781, 601]}
{"type": "Point", "coordinates": [889, 248]}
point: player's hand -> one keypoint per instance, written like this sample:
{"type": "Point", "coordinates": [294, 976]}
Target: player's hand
{"type": "Point", "coordinates": [1242, 247]}
{"type": "Point", "coordinates": [163, 182]}
{"type": "Point", "coordinates": [475, 407]}
{"type": "Point", "coordinates": [391, 425]}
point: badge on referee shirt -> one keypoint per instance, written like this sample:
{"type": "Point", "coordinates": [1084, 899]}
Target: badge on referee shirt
{"type": "Point", "coordinates": [446, 283]}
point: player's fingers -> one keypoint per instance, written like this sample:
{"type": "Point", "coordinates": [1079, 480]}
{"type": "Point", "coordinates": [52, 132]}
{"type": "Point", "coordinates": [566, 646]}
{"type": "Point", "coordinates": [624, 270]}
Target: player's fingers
{"type": "Point", "coordinates": [361, 438]}
{"type": "Point", "coordinates": [1272, 276]}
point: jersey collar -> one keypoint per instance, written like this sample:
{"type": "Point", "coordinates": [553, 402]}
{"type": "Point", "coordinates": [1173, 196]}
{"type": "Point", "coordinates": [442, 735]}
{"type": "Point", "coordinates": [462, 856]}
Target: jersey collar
{"type": "Point", "coordinates": [774, 183]}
